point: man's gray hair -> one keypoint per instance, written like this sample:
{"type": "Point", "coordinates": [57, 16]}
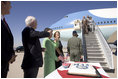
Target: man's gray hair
{"type": "Point", "coordinates": [29, 20]}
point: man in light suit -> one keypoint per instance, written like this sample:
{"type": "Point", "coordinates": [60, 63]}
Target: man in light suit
{"type": "Point", "coordinates": [7, 41]}
{"type": "Point", "coordinates": [74, 47]}
{"type": "Point", "coordinates": [32, 48]}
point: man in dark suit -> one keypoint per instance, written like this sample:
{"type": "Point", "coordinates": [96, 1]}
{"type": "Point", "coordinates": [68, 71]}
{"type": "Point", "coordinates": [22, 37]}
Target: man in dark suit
{"type": "Point", "coordinates": [32, 48]}
{"type": "Point", "coordinates": [7, 52]}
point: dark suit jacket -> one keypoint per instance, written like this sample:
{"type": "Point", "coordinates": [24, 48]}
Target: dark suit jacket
{"type": "Point", "coordinates": [32, 47]}
{"type": "Point", "coordinates": [6, 44]}
{"type": "Point", "coordinates": [60, 48]}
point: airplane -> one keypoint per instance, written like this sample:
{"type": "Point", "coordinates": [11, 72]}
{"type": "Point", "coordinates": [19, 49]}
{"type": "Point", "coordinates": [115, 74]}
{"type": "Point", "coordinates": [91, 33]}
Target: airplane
{"type": "Point", "coordinates": [95, 47]}
{"type": "Point", "coordinates": [105, 19]}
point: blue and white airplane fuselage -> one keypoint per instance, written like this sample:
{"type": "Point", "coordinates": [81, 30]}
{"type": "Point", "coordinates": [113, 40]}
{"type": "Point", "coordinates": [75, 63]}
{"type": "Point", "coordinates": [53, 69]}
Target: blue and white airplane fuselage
{"type": "Point", "coordinates": [105, 19]}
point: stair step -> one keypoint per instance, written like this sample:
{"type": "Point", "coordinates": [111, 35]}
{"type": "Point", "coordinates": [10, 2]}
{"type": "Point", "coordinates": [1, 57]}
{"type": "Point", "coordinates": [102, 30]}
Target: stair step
{"type": "Point", "coordinates": [93, 48]}
{"type": "Point", "coordinates": [94, 57]}
{"type": "Point", "coordinates": [105, 67]}
{"type": "Point", "coordinates": [97, 61]}
{"type": "Point", "coordinates": [90, 37]}
{"type": "Point", "coordinates": [96, 46]}
{"type": "Point", "coordinates": [91, 42]}
{"type": "Point", "coordinates": [104, 64]}
{"type": "Point", "coordinates": [95, 54]}
{"type": "Point", "coordinates": [90, 34]}
{"type": "Point", "coordinates": [92, 45]}
{"type": "Point", "coordinates": [94, 51]}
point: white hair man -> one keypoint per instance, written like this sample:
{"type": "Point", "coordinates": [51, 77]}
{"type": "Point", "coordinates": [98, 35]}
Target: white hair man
{"type": "Point", "coordinates": [32, 49]}
{"type": "Point", "coordinates": [31, 22]}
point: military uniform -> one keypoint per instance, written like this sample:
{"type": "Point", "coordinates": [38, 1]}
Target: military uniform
{"type": "Point", "coordinates": [74, 48]}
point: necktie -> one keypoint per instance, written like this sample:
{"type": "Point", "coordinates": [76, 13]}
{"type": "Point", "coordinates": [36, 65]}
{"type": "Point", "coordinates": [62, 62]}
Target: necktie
{"type": "Point", "coordinates": [6, 24]}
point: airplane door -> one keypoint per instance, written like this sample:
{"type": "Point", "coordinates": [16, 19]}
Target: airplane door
{"type": "Point", "coordinates": [77, 25]}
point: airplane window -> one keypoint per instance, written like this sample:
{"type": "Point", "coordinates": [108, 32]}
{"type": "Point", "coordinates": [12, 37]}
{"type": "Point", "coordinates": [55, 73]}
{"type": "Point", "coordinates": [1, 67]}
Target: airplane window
{"type": "Point", "coordinates": [111, 21]}
{"type": "Point", "coordinates": [98, 22]}
{"type": "Point", "coordinates": [107, 21]}
{"type": "Point", "coordinates": [114, 21]}
{"type": "Point", "coordinates": [101, 22]}
{"type": "Point", "coordinates": [104, 21]}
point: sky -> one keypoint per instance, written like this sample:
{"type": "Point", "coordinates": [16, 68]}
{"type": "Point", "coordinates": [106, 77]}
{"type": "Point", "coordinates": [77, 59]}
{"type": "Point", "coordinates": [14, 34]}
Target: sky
{"type": "Point", "coordinates": [47, 13]}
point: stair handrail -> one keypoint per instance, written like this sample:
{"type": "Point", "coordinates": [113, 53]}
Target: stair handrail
{"type": "Point", "coordinates": [84, 45]}
{"type": "Point", "coordinates": [106, 48]}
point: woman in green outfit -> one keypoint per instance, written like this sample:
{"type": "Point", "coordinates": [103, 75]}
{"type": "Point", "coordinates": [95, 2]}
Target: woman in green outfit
{"type": "Point", "coordinates": [50, 57]}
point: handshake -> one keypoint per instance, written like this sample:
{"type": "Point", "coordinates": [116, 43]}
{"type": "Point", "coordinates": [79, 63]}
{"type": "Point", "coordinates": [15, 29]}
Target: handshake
{"type": "Point", "coordinates": [61, 58]}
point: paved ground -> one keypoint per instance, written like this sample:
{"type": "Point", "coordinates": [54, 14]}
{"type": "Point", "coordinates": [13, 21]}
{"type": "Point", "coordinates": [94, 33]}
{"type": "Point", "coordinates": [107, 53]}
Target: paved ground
{"type": "Point", "coordinates": [16, 71]}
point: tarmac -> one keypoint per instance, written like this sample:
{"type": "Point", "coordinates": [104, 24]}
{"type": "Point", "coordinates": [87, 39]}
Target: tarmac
{"type": "Point", "coordinates": [15, 70]}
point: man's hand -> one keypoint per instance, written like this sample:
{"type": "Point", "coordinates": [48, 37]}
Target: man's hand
{"type": "Point", "coordinates": [43, 49]}
{"type": "Point", "coordinates": [12, 59]}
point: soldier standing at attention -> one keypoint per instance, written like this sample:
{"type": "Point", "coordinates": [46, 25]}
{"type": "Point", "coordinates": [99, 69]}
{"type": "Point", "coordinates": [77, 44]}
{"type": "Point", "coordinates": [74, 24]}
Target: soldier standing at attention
{"type": "Point", "coordinates": [74, 47]}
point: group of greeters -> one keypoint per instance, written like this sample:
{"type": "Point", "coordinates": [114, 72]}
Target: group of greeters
{"type": "Point", "coordinates": [53, 53]}
{"type": "Point", "coordinates": [88, 24]}
{"type": "Point", "coordinates": [33, 59]}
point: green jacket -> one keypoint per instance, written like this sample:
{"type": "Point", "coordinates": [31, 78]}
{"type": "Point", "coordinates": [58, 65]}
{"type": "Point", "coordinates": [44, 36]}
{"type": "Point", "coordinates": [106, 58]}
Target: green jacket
{"type": "Point", "coordinates": [50, 57]}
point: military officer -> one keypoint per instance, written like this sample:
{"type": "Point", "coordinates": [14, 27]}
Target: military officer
{"type": "Point", "coordinates": [74, 47]}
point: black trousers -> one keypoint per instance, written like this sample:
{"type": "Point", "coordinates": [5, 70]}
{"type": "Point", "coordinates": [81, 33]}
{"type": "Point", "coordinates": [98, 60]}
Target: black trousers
{"type": "Point", "coordinates": [4, 70]}
{"type": "Point", "coordinates": [31, 73]}
{"type": "Point", "coordinates": [58, 64]}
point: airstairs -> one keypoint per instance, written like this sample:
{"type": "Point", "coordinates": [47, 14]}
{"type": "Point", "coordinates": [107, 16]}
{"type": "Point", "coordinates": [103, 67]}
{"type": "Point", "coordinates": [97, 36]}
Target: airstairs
{"type": "Point", "coordinates": [97, 49]}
